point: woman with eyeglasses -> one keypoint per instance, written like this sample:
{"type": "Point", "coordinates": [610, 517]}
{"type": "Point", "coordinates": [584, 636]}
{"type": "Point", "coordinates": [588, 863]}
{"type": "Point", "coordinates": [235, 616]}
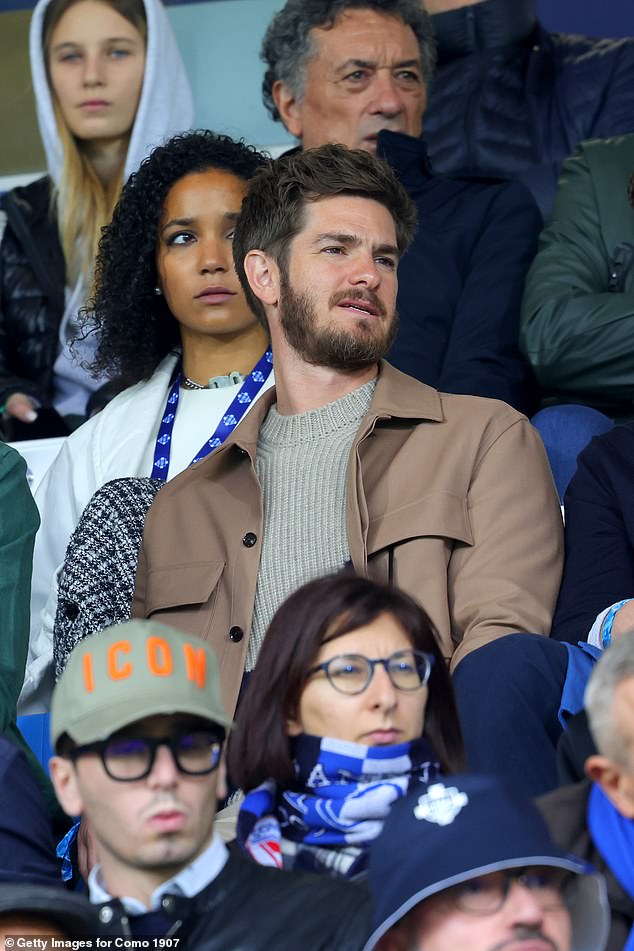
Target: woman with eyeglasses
{"type": "Point", "coordinates": [349, 707]}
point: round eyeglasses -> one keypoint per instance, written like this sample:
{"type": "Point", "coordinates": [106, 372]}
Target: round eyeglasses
{"type": "Point", "coordinates": [352, 673]}
{"type": "Point", "coordinates": [128, 758]}
{"type": "Point", "coordinates": [487, 894]}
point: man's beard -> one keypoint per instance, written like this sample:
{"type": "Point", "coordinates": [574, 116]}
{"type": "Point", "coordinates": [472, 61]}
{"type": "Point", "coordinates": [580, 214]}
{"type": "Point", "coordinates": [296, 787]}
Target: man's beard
{"type": "Point", "coordinates": [335, 347]}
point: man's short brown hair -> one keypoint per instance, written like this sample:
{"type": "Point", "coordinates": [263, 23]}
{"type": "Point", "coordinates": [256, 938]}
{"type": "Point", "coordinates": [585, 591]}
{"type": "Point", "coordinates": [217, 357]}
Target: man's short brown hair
{"type": "Point", "coordinates": [273, 211]}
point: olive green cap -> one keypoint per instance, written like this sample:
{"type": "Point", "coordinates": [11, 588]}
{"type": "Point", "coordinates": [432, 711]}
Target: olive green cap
{"type": "Point", "coordinates": [131, 671]}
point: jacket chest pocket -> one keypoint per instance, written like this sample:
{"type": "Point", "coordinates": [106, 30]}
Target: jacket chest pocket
{"type": "Point", "coordinates": [430, 527]}
{"type": "Point", "coordinates": [184, 595]}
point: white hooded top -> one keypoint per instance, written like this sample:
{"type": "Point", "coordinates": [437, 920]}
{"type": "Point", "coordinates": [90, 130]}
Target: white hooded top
{"type": "Point", "coordinates": [165, 108]}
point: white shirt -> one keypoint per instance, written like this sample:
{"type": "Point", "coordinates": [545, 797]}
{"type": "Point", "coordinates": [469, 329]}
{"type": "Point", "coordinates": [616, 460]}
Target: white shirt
{"type": "Point", "coordinates": [188, 882]}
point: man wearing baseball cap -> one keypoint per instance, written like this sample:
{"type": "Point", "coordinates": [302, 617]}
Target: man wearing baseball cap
{"type": "Point", "coordinates": [469, 864]}
{"type": "Point", "coordinates": [138, 725]}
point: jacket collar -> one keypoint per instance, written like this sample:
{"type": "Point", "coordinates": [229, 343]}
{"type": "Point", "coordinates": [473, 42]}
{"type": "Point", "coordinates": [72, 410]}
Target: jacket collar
{"type": "Point", "coordinates": [396, 396]}
{"type": "Point", "coordinates": [399, 396]}
{"type": "Point", "coordinates": [187, 883]}
{"type": "Point", "coordinates": [408, 157]}
{"type": "Point", "coordinates": [484, 26]}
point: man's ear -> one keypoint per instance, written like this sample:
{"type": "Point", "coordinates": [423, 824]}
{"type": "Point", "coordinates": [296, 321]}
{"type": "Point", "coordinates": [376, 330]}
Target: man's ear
{"type": "Point", "coordinates": [289, 108]}
{"type": "Point", "coordinates": [263, 276]}
{"type": "Point", "coordinates": [64, 779]}
{"type": "Point", "coordinates": [612, 780]}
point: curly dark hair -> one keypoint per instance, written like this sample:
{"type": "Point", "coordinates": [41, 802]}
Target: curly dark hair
{"type": "Point", "coordinates": [288, 44]}
{"type": "Point", "coordinates": [135, 326]}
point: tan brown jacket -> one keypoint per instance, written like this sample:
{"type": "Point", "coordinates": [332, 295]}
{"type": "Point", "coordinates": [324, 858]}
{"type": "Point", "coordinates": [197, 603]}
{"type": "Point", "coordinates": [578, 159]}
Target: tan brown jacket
{"type": "Point", "coordinates": [451, 497]}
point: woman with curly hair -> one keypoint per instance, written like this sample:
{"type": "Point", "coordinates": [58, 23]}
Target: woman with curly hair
{"type": "Point", "coordinates": [350, 706]}
{"type": "Point", "coordinates": [175, 327]}
{"type": "Point", "coordinates": [109, 85]}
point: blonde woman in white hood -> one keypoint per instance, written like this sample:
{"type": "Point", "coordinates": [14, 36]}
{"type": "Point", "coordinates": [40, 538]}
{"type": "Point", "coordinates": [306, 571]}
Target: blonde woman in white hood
{"type": "Point", "coordinates": [109, 85]}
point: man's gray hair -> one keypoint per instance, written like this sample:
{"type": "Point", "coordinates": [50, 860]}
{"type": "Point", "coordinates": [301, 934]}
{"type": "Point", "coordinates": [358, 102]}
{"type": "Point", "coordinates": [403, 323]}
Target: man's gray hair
{"type": "Point", "coordinates": [616, 665]}
{"type": "Point", "coordinates": [288, 45]}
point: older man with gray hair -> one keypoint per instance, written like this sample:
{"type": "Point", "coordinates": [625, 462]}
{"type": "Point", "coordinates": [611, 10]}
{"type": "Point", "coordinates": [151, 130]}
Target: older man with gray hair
{"type": "Point", "coordinates": [356, 72]}
{"type": "Point", "coordinates": [595, 818]}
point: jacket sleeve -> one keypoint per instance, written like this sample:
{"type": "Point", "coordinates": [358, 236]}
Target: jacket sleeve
{"type": "Point", "coordinates": [614, 107]}
{"type": "Point", "coordinates": [18, 523]}
{"type": "Point", "coordinates": [10, 381]}
{"type": "Point", "coordinates": [599, 568]}
{"type": "Point", "coordinates": [507, 580]}
{"type": "Point", "coordinates": [574, 331]}
{"type": "Point", "coordinates": [62, 495]}
{"type": "Point", "coordinates": [27, 843]}
{"type": "Point", "coordinates": [483, 356]}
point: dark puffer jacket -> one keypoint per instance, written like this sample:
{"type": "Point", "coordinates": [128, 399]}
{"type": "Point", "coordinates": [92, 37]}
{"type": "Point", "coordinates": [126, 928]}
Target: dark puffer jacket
{"type": "Point", "coordinates": [462, 279]}
{"type": "Point", "coordinates": [32, 278]}
{"type": "Point", "coordinates": [517, 105]}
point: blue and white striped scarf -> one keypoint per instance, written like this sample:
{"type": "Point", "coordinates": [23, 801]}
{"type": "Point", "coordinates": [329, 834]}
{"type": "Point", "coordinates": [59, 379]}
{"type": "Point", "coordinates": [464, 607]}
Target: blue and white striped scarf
{"type": "Point", "coordinates": [337, 805]}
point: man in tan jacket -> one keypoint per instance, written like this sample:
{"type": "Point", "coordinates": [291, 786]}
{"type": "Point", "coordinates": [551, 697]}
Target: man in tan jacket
{"type": "Point", "coordinates": [349, 460]}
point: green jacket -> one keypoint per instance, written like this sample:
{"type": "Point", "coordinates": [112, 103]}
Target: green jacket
{"type": "Point", "coordinates": [19, 521]}
{"type": "Point", "coordinates": [577, 326]}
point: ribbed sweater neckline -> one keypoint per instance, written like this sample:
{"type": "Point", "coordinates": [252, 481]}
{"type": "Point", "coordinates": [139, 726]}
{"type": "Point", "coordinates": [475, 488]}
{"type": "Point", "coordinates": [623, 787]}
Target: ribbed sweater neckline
{"type": "Point", "coordinates": [342, 415]}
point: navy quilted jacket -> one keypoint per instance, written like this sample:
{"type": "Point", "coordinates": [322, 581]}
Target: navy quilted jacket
{"type": "Point", "coordinates": [518, 110]}
{"type": "Point", "coordinates": [462, 279]}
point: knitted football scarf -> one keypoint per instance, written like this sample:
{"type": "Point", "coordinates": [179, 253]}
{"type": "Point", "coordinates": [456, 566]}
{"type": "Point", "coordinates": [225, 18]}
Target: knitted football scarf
{"type": "Point", "coordinates": [337, 805]}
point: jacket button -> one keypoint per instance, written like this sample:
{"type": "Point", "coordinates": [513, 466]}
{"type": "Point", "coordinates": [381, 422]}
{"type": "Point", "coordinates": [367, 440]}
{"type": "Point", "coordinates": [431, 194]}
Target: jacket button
{"type": "Point", "coordinates": [236, 634]}
{"type": "Point", "coordinates": [106, 915]}
{"type": "Point", "coordinates": [249, 540]}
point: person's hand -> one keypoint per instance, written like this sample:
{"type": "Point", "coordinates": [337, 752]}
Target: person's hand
{"type": "Point", "coordinates": [623, 620]}
{"type": "Point", "coordinates": [86, 852]}
{"type": "Point", "coordinates": [21, 407]}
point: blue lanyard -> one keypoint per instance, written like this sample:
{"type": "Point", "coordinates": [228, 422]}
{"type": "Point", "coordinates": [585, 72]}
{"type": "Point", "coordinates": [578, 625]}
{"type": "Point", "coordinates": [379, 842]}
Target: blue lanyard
{"type": "Point", "coordinates": [249, 390]}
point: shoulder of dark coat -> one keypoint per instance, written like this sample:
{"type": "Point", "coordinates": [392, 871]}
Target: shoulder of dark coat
{"type": "Point", "coordinates": [32, 201]}
{"type": "Point", "coordinates": [617, 442]}
{"type": "Point", "coordinates": [265, 885]}
{"type": "Point", "coordinates": [565, 808]}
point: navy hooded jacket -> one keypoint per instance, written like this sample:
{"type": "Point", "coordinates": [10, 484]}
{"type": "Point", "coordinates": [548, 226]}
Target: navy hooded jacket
{"type": "Point", "coordinates": [461, 281]}
{"type": "Point", "coordinates": [508, 98]}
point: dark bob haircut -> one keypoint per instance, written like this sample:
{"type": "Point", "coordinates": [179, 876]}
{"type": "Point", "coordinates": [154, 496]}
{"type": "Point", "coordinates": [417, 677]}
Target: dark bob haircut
{"type": "Point", "coordinates": [288, 44]}
{"type": "Point", "coordinates": [259, 748]}
{"type": "Point", "coordinates": [273, 211]}
{"type": "Point", "coordinates": [135, 326]}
